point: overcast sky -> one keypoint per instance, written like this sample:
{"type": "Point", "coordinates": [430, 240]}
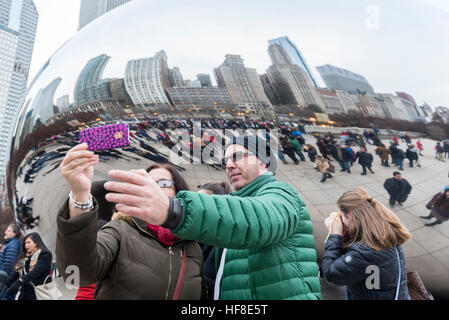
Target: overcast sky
{"type": "Point", "coordinates": [407, 49]}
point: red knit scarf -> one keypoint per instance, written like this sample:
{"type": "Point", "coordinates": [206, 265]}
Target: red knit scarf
{"type": "Point", "coordinates": [164, 235]}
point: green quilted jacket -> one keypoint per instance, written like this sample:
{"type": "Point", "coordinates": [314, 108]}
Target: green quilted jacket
{"type": "Point", "coordinates": [267, 230]}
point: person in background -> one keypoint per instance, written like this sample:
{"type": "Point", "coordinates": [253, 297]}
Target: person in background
{"type": "Point", "coordinates": [446, 149]}
{"type": "Point", "coordinates": [297, 146]}
{"type": "Point", "coordinates": [439, 152]}
{"type": "Point", "coordinates": [439, 208]}
{"type": "Point", "coordinates": [408, 140]}
{"type": "Point", "coordinates": [383, 153]}
{"type": "Point", "coordinates": [365, 160]}
{"type": "Point", "coordinates": [398, 188]}
{"type": "Point", "coordinates": [412, 155]}
{"type": "Point", "coordinates": [420, 147]}
{"type": "Point", "coordinates": [288, 149]}
{"type": "Point", "coordinates": [343, 157]}
{"type": "Point", "coordinates": [33, 267]}
{"type": "Point", "coordinates": [364, 234]}
{"type": "Point", "coordinates": [311, 152]}
{"type": "Point", "coordinates": [324, 149]}
{"type": "Point", "coordinates": [9, 253]}
{"type": "Point", "coordinates": [397, 156]}
{"type": "Point", "coordinates": [209, 252]}
{"type": "Point", "coordinates": [323, 166]}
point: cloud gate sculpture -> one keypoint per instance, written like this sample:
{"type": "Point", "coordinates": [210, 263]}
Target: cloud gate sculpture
{"type": "Point", "coordinates": [144, 64]}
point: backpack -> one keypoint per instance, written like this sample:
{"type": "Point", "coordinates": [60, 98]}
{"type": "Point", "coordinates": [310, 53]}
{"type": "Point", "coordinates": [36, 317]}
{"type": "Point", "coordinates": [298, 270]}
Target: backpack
{"type": "Point", "coordinates": [331, 168]}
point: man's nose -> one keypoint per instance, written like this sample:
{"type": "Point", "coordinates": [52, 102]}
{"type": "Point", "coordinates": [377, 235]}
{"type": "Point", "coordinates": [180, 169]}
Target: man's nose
{"type": "Point", "coordinates": [230, 164]}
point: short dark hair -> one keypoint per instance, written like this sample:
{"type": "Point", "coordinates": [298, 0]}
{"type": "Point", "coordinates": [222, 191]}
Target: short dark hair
{"type": "Point", "coordinates": [396, 173]}
{"type": "Point", "coordinates": [180, 182]}
{"type": "Point", "coordinates": [216, 188]}
{"type": "Point", "coordinates": [15, 230]}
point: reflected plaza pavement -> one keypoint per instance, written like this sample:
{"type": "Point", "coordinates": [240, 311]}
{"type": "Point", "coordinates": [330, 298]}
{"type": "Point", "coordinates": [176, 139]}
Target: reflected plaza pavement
{"type": "Point", "coordinates": [427, 252]}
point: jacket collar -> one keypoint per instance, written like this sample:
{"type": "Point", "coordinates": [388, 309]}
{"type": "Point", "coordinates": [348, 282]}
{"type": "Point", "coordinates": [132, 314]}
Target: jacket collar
{"type": "Point", "coordinates": [139, 224]}
{"type": "Point", "coordinates": [255, 185]}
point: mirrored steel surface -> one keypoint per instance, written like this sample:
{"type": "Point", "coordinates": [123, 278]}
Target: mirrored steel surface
{"type": "Point", "coordinates": [89, 82]}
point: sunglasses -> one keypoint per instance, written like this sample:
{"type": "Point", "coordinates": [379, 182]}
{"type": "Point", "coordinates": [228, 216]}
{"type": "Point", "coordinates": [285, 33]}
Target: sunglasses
{"type": "Point", "coordinates": [165, 183]}
{"type": "Point", "coordinates": [237, 156]}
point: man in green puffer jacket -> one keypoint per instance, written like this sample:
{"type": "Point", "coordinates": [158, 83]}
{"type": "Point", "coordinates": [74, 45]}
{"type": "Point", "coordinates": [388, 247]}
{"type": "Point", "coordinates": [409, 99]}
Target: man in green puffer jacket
{"type": "Point", "coordinates": [264, 225]}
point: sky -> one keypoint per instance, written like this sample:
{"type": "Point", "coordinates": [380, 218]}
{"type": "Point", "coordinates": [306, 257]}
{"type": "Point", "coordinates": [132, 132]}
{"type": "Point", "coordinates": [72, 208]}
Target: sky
{"type": "Point", "coordinates": [398, 45]}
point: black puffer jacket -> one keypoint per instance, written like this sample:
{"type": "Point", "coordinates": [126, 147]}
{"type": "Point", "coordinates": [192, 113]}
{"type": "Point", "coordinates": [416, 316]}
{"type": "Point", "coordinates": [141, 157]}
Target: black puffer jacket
{"type": "Point", "coordinates": [399, 189]}
{"type": "Point", "coordinates": [350, 269]}
{"type": "Point", "coordinates": [365, 158]}
{"type": "Point", "coordinates": [37, 276]}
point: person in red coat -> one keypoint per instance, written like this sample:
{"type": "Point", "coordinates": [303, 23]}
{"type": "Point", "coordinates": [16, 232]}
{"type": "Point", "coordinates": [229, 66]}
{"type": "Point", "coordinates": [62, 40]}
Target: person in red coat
{"type": "Point", "coordinates": [420, 147]}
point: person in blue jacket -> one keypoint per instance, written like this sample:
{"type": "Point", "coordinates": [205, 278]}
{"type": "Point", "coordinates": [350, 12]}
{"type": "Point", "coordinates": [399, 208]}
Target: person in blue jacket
{"type": "Point", "coordinates": [8, 254]}
{"type": "Point", "coordinates": [364, 249]}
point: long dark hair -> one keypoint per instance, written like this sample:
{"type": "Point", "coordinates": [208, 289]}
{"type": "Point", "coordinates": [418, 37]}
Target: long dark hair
{"type": "Point", "coordinates": [36, 238]}
{"type": "Point", "coordinates": [180, 182]}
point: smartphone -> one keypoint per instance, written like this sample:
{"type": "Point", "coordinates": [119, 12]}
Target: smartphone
{"type": "Point", "coordinates": [107, 137]}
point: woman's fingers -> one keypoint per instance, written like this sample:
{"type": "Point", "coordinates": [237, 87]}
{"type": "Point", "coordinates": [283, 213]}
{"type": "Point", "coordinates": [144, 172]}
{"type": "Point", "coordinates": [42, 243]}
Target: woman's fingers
{"type": "Point", "coordinates": [125, 199]}
{"type": "Point", "coordinates": [130, 177]}
{"type": "Point", "coordinates": [71, 156]}
{"type": "Point", "coordinates": [80, 162]}
{"type": "Point", "coordinates": [125, 188]}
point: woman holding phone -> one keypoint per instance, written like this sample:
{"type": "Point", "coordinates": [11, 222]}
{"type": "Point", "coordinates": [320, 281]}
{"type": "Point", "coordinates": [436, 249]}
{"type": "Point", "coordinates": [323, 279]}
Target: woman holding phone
{"type": "Point", "coordinates": [363, 250]}
{"type": "Point", "coordinates": [128, 258]}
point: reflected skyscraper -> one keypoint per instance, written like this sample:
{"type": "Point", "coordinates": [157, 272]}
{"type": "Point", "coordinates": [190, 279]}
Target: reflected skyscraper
{"type": "Point", "coordinates": [89, 86]}
{"type": "Point", "coordinates": [147, 79]}
{"type": "Point", "coordinates": [243, 83]}
{"type": "Point", "coordinates": [43, 105]}
{"type": "Point", "coordinates": [92, 9]}
{"type": "Point", "coordinates": [175, 77]}
{"type": "Point", "coordinates": [205, 80]}
{"type": "Point", "coordinates": [18, 23]}
{"type": "Point", "coordinates": [291, 83]}
{"type": "Point", "coordinates": [294, 55]}
{"type": "Point", "coordinates": [342, 79]}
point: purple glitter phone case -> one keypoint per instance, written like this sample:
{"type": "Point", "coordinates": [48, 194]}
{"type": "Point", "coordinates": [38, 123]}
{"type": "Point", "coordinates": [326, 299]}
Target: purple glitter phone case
{"type": "Point", "coordinates": [107, 137]}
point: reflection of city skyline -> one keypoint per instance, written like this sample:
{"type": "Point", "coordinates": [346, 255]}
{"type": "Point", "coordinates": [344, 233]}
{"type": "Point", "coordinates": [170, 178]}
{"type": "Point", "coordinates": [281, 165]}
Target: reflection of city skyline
{"type": "Point", "coordinates": [151, 84]}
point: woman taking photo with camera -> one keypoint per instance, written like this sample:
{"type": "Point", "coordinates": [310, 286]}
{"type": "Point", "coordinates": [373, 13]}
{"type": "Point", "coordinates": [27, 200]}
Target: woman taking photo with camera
{"type": "Point", "coordinates": [363, 250]}
{"type": "Point", "coordinates": [128, 259]}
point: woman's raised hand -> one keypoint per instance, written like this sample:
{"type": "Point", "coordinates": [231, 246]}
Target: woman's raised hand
{"type": "Point", "coordinates": [78, 168]}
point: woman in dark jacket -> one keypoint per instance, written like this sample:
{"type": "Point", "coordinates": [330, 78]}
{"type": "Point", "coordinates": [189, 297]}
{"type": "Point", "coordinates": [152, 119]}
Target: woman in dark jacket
{"type": "Point", "coordinates": [311, 152]}
{"type": "Point", "coordinates": [33, 267]}
{"type": "Point", "coordinates": [412, 155]}
{"type": "Point", "coordinates": [439, 208]}
{"type": "Point", "coordinates": [363, 250]}
{"type": "Point", "coordinates": [128, 259]}
{"type": "Point", "coordinates": [324, 150]}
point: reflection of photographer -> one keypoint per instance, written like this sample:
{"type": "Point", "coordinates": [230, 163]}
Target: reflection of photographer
{"type": "Point", "coordinates": [364, 247]}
